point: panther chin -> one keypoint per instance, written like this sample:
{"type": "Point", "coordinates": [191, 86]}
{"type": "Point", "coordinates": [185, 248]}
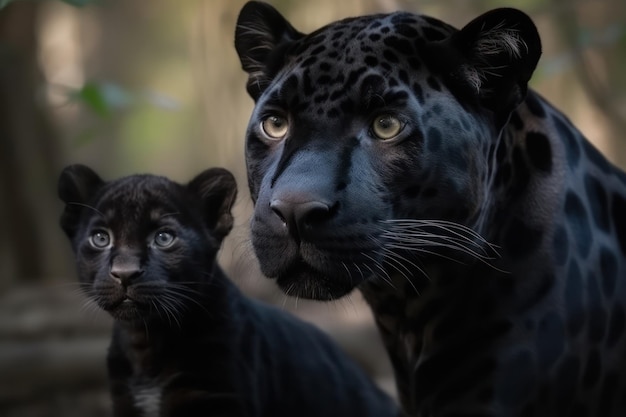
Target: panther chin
{"type": "Point", "coordinates": [301, 279]}
{"type": "Point", "coordinates": [126, 309]}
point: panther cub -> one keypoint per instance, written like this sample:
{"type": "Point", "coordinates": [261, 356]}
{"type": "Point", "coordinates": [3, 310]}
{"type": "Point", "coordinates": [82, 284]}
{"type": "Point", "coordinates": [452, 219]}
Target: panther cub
{"type": "Point", "coordinates": [186, 341]}
{"type": "Point", "coordinates": [396, 154]}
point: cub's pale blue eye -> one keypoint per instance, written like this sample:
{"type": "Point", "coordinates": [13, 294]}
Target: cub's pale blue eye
{"type": "Point", "coordinates": [164, 239]}
{"type": "Point", "coordinates": [100, 239]}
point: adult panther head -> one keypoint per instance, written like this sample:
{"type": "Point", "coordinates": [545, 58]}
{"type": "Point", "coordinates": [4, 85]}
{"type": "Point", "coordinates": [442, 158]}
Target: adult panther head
{"type": "Point", "coordinates": [368, 122]}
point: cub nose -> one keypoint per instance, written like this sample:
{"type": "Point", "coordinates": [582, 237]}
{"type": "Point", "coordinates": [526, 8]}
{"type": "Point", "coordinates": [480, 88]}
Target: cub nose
{"type": "Point", "coordinates": [300, 216]}
{"type": "Point", "coordinates": [125, 269]}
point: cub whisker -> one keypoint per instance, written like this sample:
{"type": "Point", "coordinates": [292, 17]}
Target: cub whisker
{"type": "Point", "coordinates": [177, 292]}
{"type": "Point", "coordinates": [170, 310]}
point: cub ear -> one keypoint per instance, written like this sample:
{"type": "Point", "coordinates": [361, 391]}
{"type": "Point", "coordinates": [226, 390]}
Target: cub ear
{"type": "Point", "coordinates": [262, 37]}
{"type": "Point", "coordinates": [77, 185]}
{"type": "Point", "coordinates": [217, 190]}
{"type": "Point", "coordinates": [496, 54]}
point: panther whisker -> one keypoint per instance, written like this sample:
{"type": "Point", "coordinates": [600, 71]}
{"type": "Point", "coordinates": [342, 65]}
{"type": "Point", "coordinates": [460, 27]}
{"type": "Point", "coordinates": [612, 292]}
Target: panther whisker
{"type": "Point", "coordinates": [398, 266]}
{"type": "Point", "coordinates": [350, 277]}
{"type": "Point", "coordinates": [386, 278]}
{"type": "Point", "coordinates": [405, 259]}
{"type": "Point", "coordinates": [438, 241]}
{"type": "Point", "coordinates": [417, 239]}
{"type": "Point", "coordinates": [372, 273]}
{"type": "Point", "coordinates": [457, 229]}
{"type": "Point", "coordinates": [423, 250]}
{"type": "Point", "coordinates": [433, 237]}
{"type": "Point", "coordinates": [360, 271]}
{"type": "Point", "coordinates": [388, 253]}
{"type": "Point", "coordinates": [398, 260]}
{"type": "Point", "coordinates": [427, 246]}
{"type": "Point", "coordinates": [444, 225]}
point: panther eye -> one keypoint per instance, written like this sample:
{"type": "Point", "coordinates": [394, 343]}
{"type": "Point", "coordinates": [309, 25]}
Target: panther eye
{"type": "Point", "coordinates": [164, 239]}
{"type": "Point", "coordinates": [100, 239]}
{"type": "Point", "coordinates": [275, 127]}
{"type": "Point", "coordinates": [387, 126]}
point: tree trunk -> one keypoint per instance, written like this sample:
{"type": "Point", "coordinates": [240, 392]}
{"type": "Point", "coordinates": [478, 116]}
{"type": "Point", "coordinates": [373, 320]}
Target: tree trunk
{"type": "Point", "coordinates": [28, 155]}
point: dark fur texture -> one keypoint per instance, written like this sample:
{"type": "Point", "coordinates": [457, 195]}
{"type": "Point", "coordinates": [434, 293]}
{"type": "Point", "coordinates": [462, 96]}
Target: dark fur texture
{"type": "Point", "coordinates": [396, 154]}
{"type": "Point", "coordinates": [186, 342]}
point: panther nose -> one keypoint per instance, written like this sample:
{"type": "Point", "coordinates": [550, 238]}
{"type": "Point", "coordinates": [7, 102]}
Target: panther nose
{"type": "Point", "coordinates": [299, 217]}
{"type": "Point", "coordinates": [124, 270]}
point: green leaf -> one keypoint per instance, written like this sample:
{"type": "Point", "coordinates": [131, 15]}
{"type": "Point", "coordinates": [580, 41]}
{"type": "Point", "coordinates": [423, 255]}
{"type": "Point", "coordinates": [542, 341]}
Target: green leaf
{"type": "Point", "coordinates": [91, 95]}
{"type": "Point", "coordinates": [103, 98]}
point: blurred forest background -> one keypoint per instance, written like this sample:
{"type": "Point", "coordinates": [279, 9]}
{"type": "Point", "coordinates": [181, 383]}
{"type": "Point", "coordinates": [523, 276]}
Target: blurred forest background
{"type": "Point", "coordinates": [128, 86]}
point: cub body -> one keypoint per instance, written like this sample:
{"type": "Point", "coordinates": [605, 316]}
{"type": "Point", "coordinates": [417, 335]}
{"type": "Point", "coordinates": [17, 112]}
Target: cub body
{"type": "Point", "coordinates": [186, 341]}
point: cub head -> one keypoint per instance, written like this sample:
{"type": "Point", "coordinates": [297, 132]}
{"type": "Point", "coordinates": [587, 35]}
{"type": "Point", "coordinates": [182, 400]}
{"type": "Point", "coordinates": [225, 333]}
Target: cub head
{"type": "Point", "coordinates": [145, 244]}
{"type": "Point", "coordinates": [365, 128]}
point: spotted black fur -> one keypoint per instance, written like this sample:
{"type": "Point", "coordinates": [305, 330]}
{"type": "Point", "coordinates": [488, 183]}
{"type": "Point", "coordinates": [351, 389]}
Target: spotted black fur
{"type": "Point", "coordinates": [399, 155]}
{"type": "Point", "coordinates": [186, 341]}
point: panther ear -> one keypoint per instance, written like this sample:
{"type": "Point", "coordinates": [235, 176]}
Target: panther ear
{"type": "Point", "coordinates": [262, 37]}
{"type": "Point", "coordinates": [494, 57]}
{"type": "Point", "coordinates": [217, 190]}
{"type": "Point", "coordinates": [77, 185]}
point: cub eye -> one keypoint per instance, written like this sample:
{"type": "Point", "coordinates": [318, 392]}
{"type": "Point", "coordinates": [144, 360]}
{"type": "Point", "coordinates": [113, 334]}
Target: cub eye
{"type": "Point", "coordinates": [164, 239]}
{"type": "Point", "coordinates": [387, 126]}
{"type": "Point", "coordinates": [275, 127]}
{"type": "Point", "coordinates": [100, 239]}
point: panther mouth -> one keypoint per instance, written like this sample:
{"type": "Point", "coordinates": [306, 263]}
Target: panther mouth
{"type": "Point", "coordinates": [324, 265]}
{"type": "Point", "coordinates": [125, 308]}
{"type": "Point", "coordinates": [303, 279]}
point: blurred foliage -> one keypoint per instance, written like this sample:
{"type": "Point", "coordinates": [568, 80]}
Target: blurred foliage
{"type": "Point", "coordinates": [77, 3]}
{"type": "Point", "coordinates": [102, 98]}
{"type": "Point", "coordinates": [156, 86]}
{"type": "Point", "coordinates": [105, 97]}
{"type": "Point", "coordinates": [131, 86]}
